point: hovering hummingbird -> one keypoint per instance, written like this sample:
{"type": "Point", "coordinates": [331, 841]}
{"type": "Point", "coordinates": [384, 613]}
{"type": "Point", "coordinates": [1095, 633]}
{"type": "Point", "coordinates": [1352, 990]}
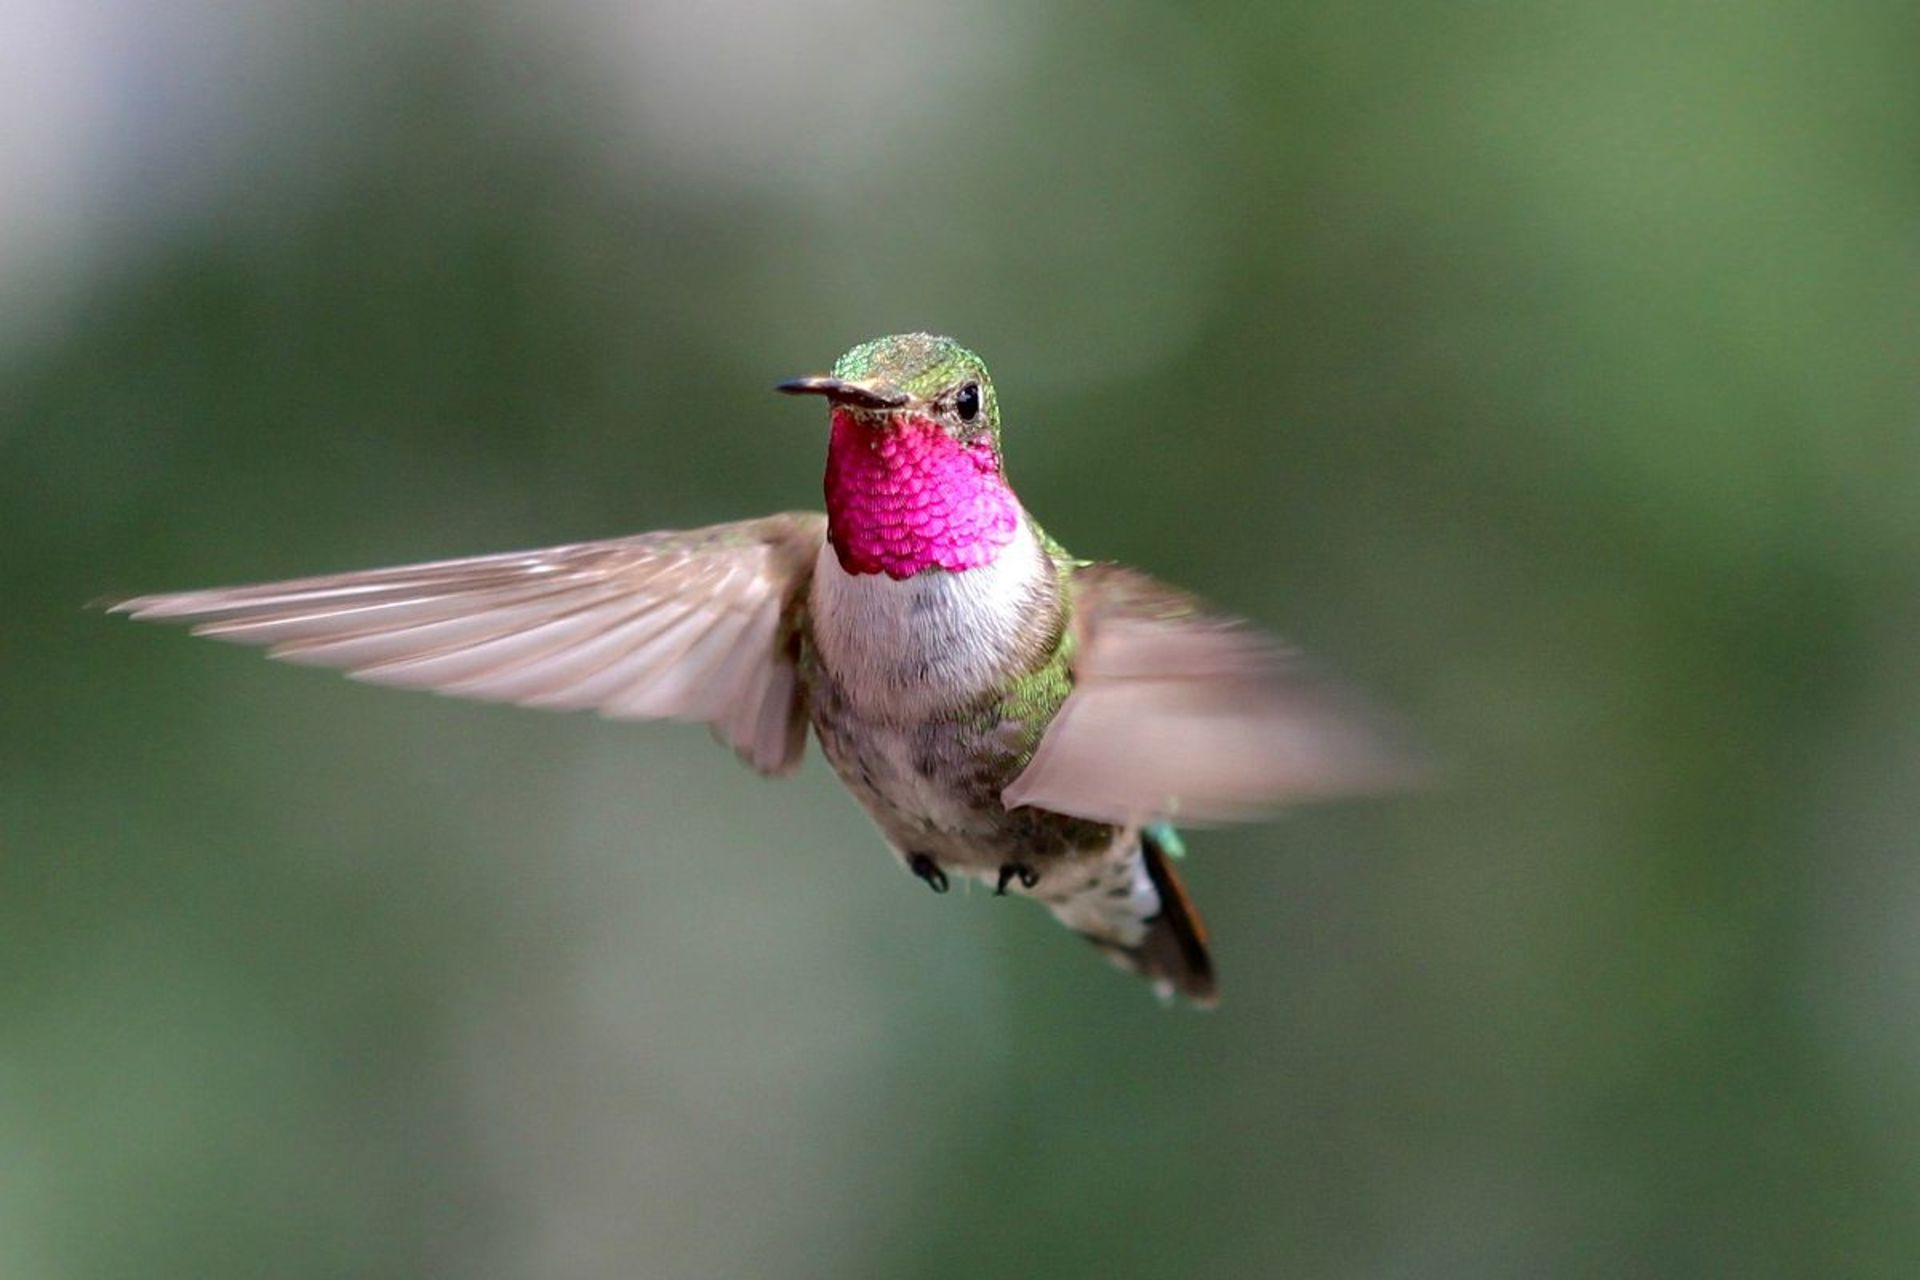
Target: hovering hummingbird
{"type": "Point", "coordinates": [1003, 710]}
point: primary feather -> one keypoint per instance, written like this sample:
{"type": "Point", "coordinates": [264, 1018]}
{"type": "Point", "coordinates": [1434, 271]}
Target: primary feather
{"type": "Point", "coordinates": [692, 625]}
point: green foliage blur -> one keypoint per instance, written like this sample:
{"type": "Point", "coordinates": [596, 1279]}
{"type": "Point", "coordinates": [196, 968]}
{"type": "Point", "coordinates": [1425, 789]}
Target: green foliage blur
{"type": "Point", "coordinates": [1548, 369]}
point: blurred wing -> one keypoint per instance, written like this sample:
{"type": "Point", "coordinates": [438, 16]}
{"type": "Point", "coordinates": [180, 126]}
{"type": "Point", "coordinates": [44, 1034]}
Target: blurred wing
{"type": "Point", "coordinates": [1179, 715]}
{"type": "Point", "coordinates": [694, 625]}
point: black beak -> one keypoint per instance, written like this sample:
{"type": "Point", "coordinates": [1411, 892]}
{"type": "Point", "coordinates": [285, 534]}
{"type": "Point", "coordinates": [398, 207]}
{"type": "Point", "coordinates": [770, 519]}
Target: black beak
{"type": "Point", "coordinates": [840, 391]}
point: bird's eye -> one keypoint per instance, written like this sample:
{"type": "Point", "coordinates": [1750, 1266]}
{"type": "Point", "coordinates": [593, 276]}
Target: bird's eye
{"type": "Point", "coordinates": [966, 402]}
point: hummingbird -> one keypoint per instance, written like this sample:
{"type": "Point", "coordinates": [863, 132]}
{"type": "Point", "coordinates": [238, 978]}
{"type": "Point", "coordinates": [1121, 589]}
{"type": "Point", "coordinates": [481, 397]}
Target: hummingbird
{"type": "Point", "coordinates": [1006, 712]}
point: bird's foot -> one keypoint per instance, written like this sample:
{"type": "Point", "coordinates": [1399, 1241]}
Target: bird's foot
{"type": "Point", "coordinates": [1027, 876]}
{"type": "Point", "coordinates": [927, 869]}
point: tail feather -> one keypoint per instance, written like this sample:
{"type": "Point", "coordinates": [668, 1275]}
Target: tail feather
{"type": "Point", "coordinates": [1136, 910]}
{"type": "Point", "coordinates": [1175, 948]}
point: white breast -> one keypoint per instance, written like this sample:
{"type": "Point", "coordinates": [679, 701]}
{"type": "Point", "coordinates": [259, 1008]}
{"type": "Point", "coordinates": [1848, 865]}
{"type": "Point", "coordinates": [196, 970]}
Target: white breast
{"type": "Point", "coordinates": [905, 648]}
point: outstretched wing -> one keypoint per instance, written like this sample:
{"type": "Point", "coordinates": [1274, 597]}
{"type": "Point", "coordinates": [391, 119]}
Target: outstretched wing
{"type": "Point", "coordinates": [694, 625]}
{"type": "Point", "coordinates": [1177, 714]}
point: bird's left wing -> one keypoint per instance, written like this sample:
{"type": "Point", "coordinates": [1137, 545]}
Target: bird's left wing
{"type": "Point", "coordinates": [690, 625]}
{"type": "Point", "coordinates": [1178, 714]}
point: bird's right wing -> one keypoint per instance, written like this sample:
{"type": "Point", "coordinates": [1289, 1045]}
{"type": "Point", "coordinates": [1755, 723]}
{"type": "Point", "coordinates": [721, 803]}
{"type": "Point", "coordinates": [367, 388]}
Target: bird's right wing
{"type": "Point", "coordinates": [696, 625]}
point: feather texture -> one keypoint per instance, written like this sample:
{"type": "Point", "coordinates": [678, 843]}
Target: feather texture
{"type": "Point", "coordinates": [692, 625]}
{"type": "Point", "coordinates": [1180, 715]}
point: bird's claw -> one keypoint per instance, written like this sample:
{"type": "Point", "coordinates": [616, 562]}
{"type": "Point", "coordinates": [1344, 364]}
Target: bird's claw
{"type": "Point", "coordinates": [927, 869]}
{"type": "Point", "coordinates": [1009, 870]}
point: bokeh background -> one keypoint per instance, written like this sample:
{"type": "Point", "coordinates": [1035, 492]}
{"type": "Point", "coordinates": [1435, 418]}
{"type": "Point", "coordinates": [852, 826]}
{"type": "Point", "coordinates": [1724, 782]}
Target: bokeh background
{"type": "Point", "coordinates": [1547, 368]}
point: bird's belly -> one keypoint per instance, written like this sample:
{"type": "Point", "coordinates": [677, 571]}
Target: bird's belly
{"type": "Point", "coordinates": [933, 787]}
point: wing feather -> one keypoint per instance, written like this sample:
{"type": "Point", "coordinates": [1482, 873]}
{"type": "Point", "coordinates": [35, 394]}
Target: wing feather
{"type": "Point", "coordinates": [777, 735]}
{"type": "Point", "coordinates": [590, 644]}
{"type": "Point", "coordinates": [682, 658]}
{"type": "Point", "coordinates": [1177, 714]}
{"type": "Point", "coordinates": [611, 668]}
{"type": "Point", "coordinates": [694, 624]}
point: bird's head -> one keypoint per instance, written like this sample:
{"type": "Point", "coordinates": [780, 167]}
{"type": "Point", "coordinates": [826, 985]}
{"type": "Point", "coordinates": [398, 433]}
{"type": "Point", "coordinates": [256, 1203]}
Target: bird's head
{"type": "Point", "coordinates": [912, 378]}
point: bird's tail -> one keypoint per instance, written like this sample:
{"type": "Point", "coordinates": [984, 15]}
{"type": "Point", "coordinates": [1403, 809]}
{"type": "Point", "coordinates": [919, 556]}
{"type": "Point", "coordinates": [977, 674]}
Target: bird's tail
{"type": "Point", "coordinates": [1138, 912]}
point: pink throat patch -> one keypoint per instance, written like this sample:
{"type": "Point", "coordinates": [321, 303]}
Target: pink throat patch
{"type": "Point", "coordinates": [909, 497]}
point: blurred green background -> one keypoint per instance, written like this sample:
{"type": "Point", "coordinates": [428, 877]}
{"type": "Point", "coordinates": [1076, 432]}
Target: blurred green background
{"type": "Point", "coordinates": [1547, 368]}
